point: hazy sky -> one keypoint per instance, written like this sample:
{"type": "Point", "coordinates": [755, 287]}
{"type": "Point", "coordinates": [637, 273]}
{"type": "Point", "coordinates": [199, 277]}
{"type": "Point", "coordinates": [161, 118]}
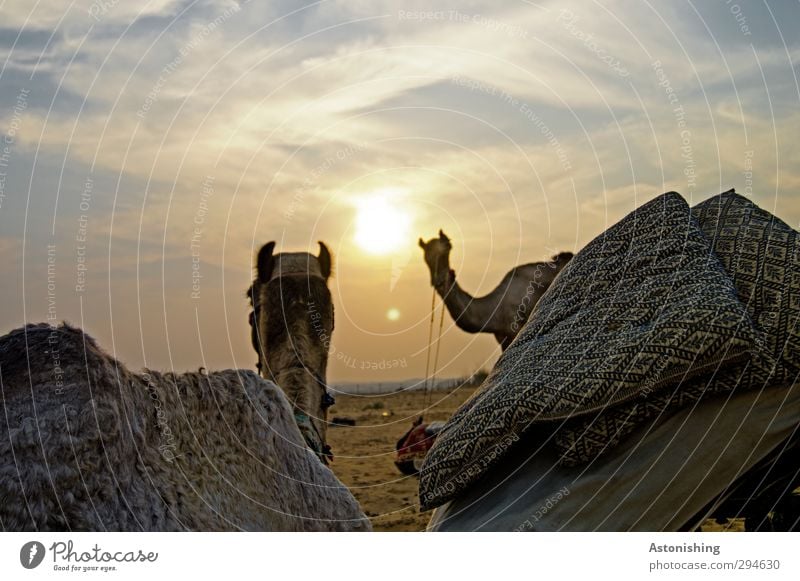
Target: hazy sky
{"type": "Point", "coordinates": [147, 150]}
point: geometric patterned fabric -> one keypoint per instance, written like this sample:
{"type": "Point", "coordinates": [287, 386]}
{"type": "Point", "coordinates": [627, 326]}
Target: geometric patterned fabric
{"type": "Point", "coordinates": [761, 254]}
{"type": "Point", "coordinates": [642, 308]}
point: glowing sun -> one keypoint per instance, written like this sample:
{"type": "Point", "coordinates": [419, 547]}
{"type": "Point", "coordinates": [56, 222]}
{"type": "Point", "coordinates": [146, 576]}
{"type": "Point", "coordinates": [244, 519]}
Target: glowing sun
{"type": "Point", "coordinates": [393, 314]}
{"type": "Point", "coordinates": [381, 225]}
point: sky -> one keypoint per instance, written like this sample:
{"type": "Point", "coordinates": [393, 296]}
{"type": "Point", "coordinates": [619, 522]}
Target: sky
{"type": "Point", "coordinates": [147, 150]}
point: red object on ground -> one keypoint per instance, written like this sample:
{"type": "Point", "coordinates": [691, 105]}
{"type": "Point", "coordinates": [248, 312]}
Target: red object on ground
{"type": "Point", "coordinates": [414, 445]}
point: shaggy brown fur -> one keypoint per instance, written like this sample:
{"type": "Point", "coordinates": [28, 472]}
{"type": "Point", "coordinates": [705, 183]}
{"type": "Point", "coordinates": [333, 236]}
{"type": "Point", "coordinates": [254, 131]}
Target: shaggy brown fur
{"type": "Point", "coordinates": [87, 445]}
{"type": "Point", "coordinates": [291, 327]}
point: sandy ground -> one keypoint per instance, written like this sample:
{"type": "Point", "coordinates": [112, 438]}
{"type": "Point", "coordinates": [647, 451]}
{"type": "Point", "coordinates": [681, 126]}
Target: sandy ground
{"type": "Point", "coordinates": [364, 454]}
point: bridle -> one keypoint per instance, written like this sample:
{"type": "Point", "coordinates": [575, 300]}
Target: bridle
{"type": "Point", "coordinates": [310, 432]}
{"type": "Point", "coordinates": [311, 435]}
{"type": "Point", "coordinates": [447, 284]}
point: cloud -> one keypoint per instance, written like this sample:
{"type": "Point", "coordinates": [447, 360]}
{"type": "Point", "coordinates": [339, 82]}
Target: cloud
{"type": "Point", "coordinates": [518, 128]}
{"type": "Point", "coordinates": [51, 14]}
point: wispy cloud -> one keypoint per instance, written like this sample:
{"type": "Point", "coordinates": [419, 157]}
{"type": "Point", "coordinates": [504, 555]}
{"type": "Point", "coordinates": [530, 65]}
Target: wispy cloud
{"type": "Point", "coordinates": [518, 128]}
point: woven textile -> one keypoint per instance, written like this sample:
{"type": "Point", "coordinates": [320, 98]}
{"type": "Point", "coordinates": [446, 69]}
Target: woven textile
{"type": "Point", "coordinates": [640, 308]}
{"type": "Point", "coordinates": [762, 255]}
{"type": "Point", "coordinates": [760, 252]}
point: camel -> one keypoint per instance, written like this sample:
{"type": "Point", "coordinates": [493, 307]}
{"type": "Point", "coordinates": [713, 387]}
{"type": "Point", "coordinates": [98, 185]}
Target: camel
{"type": "Point", "coordinates": [87, 445]}
{"type": "Point", "coordinates": [291, 326]}
{"type": "Point", "coordinates": [503, 311]}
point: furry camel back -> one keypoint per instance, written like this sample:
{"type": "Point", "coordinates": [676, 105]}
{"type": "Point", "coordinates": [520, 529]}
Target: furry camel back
{"type": "Point", "coordinates": [87, 445]}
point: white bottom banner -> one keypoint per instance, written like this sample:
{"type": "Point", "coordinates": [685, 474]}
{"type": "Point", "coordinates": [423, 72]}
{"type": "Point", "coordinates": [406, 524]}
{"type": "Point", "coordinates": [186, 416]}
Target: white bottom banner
{"type": "Point", "coordinates": [380, 556]}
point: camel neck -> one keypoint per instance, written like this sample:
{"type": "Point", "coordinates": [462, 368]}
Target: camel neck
{"type": "Point", "coordinates": [471, 314]}
{"type": "Point", "coordinates": [303, 388]}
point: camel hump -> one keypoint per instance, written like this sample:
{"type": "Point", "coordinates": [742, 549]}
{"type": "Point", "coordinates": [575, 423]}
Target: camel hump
{"type": "Point", "coordinates": [40, 348]}
{"type": "Point", "coordinates": [559, 260]}
{"type": "Point", "coordinates": [562, 257]}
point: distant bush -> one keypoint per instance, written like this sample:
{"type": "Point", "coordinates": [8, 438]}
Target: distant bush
{"type": "Point", "coordinates": [378, 405]}
{"type": "Point", "coordinates": [477, 378]}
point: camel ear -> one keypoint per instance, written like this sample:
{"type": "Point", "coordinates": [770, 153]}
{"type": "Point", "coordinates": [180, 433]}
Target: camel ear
{"type": "Point", "coordinates": [324, 260]}
{"type": "Point", "coordinates": [443, 236]}
{"type": "Point", "coordinates": [265, 263]}
{"type": "Point", "coordinates": [422, 243]}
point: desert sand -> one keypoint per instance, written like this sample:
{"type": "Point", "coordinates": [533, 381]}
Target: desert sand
{"type": "Point", "coordinates": [364, 454]}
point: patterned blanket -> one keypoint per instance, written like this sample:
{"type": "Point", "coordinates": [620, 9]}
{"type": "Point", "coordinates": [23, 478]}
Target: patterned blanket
{"type": "Point", "coordinates": [667, 306]}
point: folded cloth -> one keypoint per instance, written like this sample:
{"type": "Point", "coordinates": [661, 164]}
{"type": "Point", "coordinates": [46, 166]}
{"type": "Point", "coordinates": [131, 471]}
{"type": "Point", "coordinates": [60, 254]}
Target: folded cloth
{"type": "Point", "coordinates": [642, 307]}
{"type": "Point", "coordinates": [762, 255]}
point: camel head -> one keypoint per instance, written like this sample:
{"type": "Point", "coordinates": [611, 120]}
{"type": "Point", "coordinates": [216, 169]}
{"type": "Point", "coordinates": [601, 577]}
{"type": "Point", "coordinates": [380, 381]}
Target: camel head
{"type": "Point", "coordinates": [291, 327]}
{"type": "Point", "coordinates": [437, 257]}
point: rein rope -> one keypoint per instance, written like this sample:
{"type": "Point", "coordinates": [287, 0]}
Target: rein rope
{"type": "Point", "coordinates": [430, 378]}
{"type": "Point", "coordinates": [312, 437]}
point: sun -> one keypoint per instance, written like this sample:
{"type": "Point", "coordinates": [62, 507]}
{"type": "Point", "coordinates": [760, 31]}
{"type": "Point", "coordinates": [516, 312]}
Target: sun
{"type": "Point", "coordinates": [382, 226]}
{"type": "Point", "coordinates": [393, 314]}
